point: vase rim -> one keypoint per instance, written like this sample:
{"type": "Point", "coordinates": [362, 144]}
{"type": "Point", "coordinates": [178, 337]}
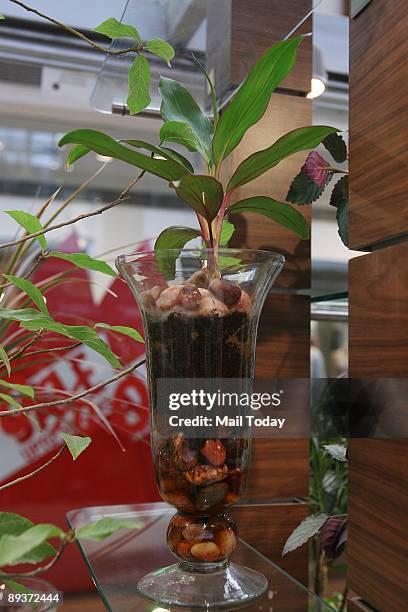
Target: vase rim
{"type": "Point", "coordinates": [272, 255]}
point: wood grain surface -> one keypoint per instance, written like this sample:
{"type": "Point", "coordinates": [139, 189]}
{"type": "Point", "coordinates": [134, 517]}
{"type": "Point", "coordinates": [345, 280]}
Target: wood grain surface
{"type": "Point", "coordinates": [378, 522]}
{"type": "Point", "coordinates": [378, 123]}
{"type": "Point", "coordinates": [378, 310]}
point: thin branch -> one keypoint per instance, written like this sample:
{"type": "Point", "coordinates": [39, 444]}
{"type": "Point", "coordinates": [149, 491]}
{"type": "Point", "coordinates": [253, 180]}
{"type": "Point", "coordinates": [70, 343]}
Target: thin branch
{"type": "Point", "coordinates": [99, 211]}
{"type": "Point", "coordinates": [33, 267]}
{"type": "Point", "coordinates": [23, 348]}
{"type": "Point", "coordinates": [31, 474]}
{"type": "Point", "coordinates": [44, 568]}
{"type": "Point", "coordinates": [89, 41]}
{"type": "Point", "coordinates": [53, 350]}
{"type": "Point", "coordinates": [78, 396]}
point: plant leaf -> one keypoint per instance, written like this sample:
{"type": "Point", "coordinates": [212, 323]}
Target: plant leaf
{"type": "Point", "coordinates": [336, 146]}
{"type": "Point", "coordinates": [339, 194]}
{"type": "Point", "coordinates": [105, 145]}
{"type": "Point", "coordinates": [173, 238]}
{"type": "Point", "coordinates": [179, 105]}
{"type": "Point", "coordinates": [227, 231]}
{"type": "Point", "coordinates": [30, 223]}
{"type": "Point", "coordinates": [31, 290]}
{"type": "Point", "coordinates": [161, 152]}
{"type": "Point", "coordinates": [303, 532]}
{"type": "Point", "coordinates": [15, 548]}
{"type": "Point", "coordinates": [316, 168]}
{"type": "Point", "coordinates": [179, 132]}
{"type": "Point", "coordinates": [201, 192]}
{"type": "Point", "coordinates": [304, 190]}
{"type": "Point", "coordinates": [337, 451]}
{"type": "Point", "coordinates": [212, 91]}
{"type": "Point", "coordinates": [122, 329]}
{"type": "Point", "coordinates": [76, 153]}
{"type": "Point", "coordinates": [161, 48]}
{"type": "Point", "coordinates": [86, 262]}
{"type": "Point", "coordinates": [339, 199]}
{"type": "Point", "coordinates": [260, 162]}
{"type": "Point", "coordinates": [281, 212]}
{"type": "Point", "coordinates": [15, 524]}
{"type": "Point", "coordinates": [139, 85]}
{"type": "Point", "coordinates": [2, 17]}
{"type": "Point", "coordinates": [5, 359]}
{"type": "Point", "coordinates": [21, 314]}
{"type": "Point", "coordinates": [115, 29]}
{"type": "Point", "coordinates": [76, 444]}
{"type": "Point", "coordinates": [23, 389]}
{"type": "Point", "coordinates": [105, 527]}
{"type": "Point", "coordinates": [10, 400]}
{"type": "Point", "coordinates": [251, 101]}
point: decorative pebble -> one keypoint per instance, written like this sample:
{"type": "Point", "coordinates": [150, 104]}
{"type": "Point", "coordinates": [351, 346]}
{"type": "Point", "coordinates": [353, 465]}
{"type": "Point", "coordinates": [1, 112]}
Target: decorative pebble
{"type": "Point", "coordinates": [206, 474]}
{"type": "Point", "coordinates": [224, 290]}
{"type": "Point", "coordinates": [169, 298]}
{"type": "Point", "coordinates": [201, 278]}
{"type": "Point", "coordinates": [205, 551]}
{"type": "Point", "coordinates": [211, 496]}
{"type": "Point", "coordinates": [214, 451]}
{"type": "Point", "coordinates": [226, 542]}
{"type": "Point", "coordinates": [190, 297]}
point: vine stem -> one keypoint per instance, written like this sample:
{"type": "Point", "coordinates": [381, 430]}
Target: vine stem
{"type": "Point", "coordinates": [78, 396]}
{"type": "Point", "coordinates": [74, 32]}
{"type": "Point", "coordinates": [31, 474]}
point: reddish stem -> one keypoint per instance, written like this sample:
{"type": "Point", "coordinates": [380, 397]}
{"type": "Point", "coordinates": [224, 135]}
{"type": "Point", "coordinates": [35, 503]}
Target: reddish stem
{"type": "Point", "coordinates": [220, 217]}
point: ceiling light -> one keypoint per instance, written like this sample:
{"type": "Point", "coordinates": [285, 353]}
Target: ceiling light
{"type": "Point", "coordinates": [319, 77]}
{"type": "Point", "coordinates": [317, 88]}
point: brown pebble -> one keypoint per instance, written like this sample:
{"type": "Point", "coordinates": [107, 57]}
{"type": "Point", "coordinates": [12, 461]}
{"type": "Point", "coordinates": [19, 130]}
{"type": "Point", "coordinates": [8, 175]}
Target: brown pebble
{"type": "Point", "coordinates": [206, 474]}
{"type": "Point", "coordinates": [183, 549]}
{"type": "Point", "coordinates": [156, 291]}
{"type": "Point", "coordinates": [231, 498]}
{"type": "Point", "coordinates": [214, 451]}
{"type": "Point", "coordinates": [211, 496]}
{"type": "Point", "coordinates": [205, 551]}
{"type": "Point", "coordinates": [179, 500]}
{"type": "Point", "coordinates": [180, 521]}
{"type": "Point", "coordinates": [226, 291]}
{"type": "Point", "coordinates": [146, 299]}
{"type": "Point", "coordinates": [200, 279]}
{"type": "Point", "coordinates": [190, 297]}
{"type": "Point", "coordinates": [169, 298]}
{"type": "Point", "coordinates": [226, 542]}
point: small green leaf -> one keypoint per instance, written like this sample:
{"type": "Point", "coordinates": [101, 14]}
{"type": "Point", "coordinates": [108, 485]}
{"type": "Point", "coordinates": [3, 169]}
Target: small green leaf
{"type": "Point", "coordinates": [160, 152]}
{"type": "Point", "coordinates": [337, 451]}
{"type": "Point", "coordinates": [139, 85]}
{"type": "Point", "coordinates": [15, 524]}
{"type": "Point", "coordinates": [201, 192]}
{"type": "Point", "coordinates": [281, 212]}
{"type": "Point", "coordinates": [22, 389]}
{"type": "Point", "coordinates": [252, 99]}
{"type": "Point", "coordinates": [304, 190]}
{"type": "Point", "coordinates": [2, 17]}
{"type": "Point", "coordinates": [5, 359]}
{"type": "Point", "coordinates": [10, 400]}
{"type": "Point", "coordinates": [86, 262]}
{"type": "Point", "coordinates": [179, 105]}
{"type": "Point", "coordinates": [122, 329]}
{"type": "Point", "coordinates": [105, 145]}
{"type": "Point", "coordinates": [15, 548]}
{"type": "Point", "coordinates": [260, 162]}
{"type": "Point", "coordinates": [161, 48]}
{"type": "Point", "coordinates": [31, 290]}
{"type": "Point", "coordinates": [105, 527]}
{"type": "Point", "coordinates": [168, 244]}
{"type": "Point", "coordinates": [76, 153]}
{"type": "Point", "coordinates": [21, 314]}
{"type": "Point", "coordinates": [76, 444]}
{"type": "Point", "coordinates": [227, 231]}
{"type": "Point", "coordinates": [336, 146]}
{"type": "Point", "coordinates": [303, 532]}
{"type": "Point", "coordinates": [115, 29]}
{"type": "Point", "coordinates": [179, 132]}
{"type": "Point", "coordinates": [30, 223]}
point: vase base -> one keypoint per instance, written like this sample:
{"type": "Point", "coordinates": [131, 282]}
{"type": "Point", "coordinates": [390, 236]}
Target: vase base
{"type": "Point", "coordinates": [231, 586]}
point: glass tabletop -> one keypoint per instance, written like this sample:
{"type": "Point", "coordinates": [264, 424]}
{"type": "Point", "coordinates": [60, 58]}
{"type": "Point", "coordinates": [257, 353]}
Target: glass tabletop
{"type": "Point", "coordinates": [117, 563]}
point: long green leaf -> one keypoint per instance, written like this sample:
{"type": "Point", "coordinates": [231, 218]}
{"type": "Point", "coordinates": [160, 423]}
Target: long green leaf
{"type": "Point", "coordinates": [179, 105]}
{"type": "Point", "coordinates": [251, 100]}
{"type": "Point", "coordinates": [105, 527]}
{"type": "Point", "coordinates": [303, 532]}
{"type": "Point", "coordinates": [161, 152]}
{"type": "Point", "coordinates": [9, 399]}
{"type": "Point", "coordinates": [30, 223]}
{"type": "Point", "coordinates": [14, 548]}
{"type": "Point", "coordinates": [23, 389]}
{"type": "Point", "coordinates": [76, 153]}
{"type": "Point", "coordinates": [5, 359]}
{"type": "Point", "coordinates": [282, 213]}
{"type": "Point", "coordinates": [76, 444]}
{"type": "Point", "coordinates": [105, 145]}
{"type": "Point", "coordinates": [15, 524]}
{"type": "Point", "coordinates": [260, 162]}
{"type": "Point", "coordinates": [139, 85]}
{"type": "Point", "coordinates": [31, 290]}
{"type": "Point", "coordinates": [171, 154]}
{"type": "Point", "coordinates": [21, 314]}
{"type": "Point", "coordinates": [122, 329]}
{"type": "Point", "coordinates": [201, 192]}
{"type": "Point", "coordinates": [227, 231]}
{"type": "Point", "coordinates": [115, 29]}
{"type": "Point", "coordinates": [86, 262]}
{"type": "Point", "coordinates": [161, 48]}
{"type": "Point", "coordinates": [179, 132]}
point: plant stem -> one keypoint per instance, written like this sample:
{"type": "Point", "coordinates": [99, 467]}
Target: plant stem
{"type": "Point", "coordinates": [31, 474]}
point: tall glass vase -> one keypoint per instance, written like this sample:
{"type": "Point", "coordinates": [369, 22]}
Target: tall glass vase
{"type": "Point", "coordinates": [200, 311]}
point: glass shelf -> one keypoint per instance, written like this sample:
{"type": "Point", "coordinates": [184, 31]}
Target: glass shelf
{"type": "Point", "coordinates": [117, 564]}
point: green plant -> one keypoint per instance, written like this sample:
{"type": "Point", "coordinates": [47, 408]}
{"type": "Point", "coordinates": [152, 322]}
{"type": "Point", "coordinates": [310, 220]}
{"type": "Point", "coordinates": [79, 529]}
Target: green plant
{"type": "Point", "coordinates": [316, 174]}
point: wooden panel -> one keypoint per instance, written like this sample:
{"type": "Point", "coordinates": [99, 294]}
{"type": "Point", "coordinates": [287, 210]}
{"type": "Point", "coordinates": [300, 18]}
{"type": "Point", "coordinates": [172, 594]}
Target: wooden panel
{"type": "Point", "coordinates": [284, 114]}
{"type": "Point", "coordinates": [379, 313]}
{"type": "Point", "coordinates": [267, 527]}
{"type": "Point", "coordinates": [356, 604]}
{"type": "Point", "coordinates": [378, 545]}
{"type": "Point", "coordinates": [378, 123]}
{"type": "Point", "coordinates": [260, 23]}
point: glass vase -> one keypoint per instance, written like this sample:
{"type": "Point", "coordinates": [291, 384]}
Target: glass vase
{"type": "Point", "coordinates": [200, 311]}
